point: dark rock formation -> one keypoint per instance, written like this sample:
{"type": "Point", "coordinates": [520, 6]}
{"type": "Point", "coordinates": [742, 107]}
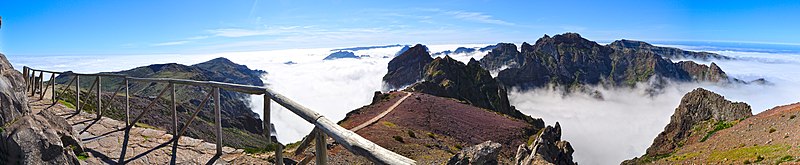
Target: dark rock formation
{"type": "Point", "coordinates": [695, 118]}
{"type": "Point", "coordinates": [548, 148]}
{"type": "Point", "coordinates": [504, 54]}
{"type": "Point", "coordinates": [341, 54]}
{"type": "Point", "coordinates": [702, 72]}
{"type": "Point", "coordinates": [696, 106]}
{"type": "Point", "coordinates": [403, 50]}
{"type": "Point", "coordinates": [484, 153]}
{"type": "Point", "coordinates": [570, 61]}
{"type": "Point", "coordinates": [666, 52]}
{"type": "Point", "coordinates": [41, 138]}
{"type": "Point", "coordinates": [407, 68]}
{"type": "Point", "coordinates": [12, 93]}
{"type": "Point", "coordinates": [446, 77]}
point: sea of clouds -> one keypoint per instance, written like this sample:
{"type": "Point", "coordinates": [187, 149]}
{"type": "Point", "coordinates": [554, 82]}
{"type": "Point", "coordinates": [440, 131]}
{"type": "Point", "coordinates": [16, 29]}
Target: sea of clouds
{"type": "Point", "coordinates": [605, 131]}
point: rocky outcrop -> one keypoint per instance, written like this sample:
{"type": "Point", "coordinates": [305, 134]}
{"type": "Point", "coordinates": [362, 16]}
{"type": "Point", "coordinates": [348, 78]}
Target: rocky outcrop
{"type": "Point", "coordinates": [484, 153]}
{"type": "Point", "coordinates": [548, 148]}
{"type": "Point", "coordinates": [666, 52]}
{"type": "Point", "coordinates": [699, 115]}
{"type": "Point", "coordinates": [13, 102]}
{"type": "Point", "coordinates": [408, 67]}
{"type": "Point", "coordinates": [341, 54]}
{"type": "Point", "coordinates": [446, 77]}
{"type": "Point", "coordinates": [41, 138]}
{"type": "Point", "coordinates": [503, 55]}
{"type": "Point", "coordinates": [701, 72]}
{"type": "Point", "coordinates": [570, 61]}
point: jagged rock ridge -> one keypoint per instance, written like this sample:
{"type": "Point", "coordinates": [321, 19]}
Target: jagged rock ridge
{"type": "Point", "coordinates": [571, 61]}
{"type": "Point", "coordinates": [408, 67]}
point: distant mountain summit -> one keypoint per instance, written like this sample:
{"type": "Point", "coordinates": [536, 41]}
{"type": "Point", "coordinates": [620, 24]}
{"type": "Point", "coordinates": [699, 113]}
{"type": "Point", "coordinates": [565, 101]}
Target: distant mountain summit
{"type": "Point", "coordinates": [408, 67]}
{"type": "Point", "coordinates": [571, 61]}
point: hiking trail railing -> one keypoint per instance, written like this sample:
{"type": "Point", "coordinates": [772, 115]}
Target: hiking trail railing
{"type": "Point", "coordinates": [323, 126]}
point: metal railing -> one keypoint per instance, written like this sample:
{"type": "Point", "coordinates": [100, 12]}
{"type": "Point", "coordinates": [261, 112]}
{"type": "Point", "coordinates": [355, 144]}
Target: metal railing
{"type": "Point", "coordinates": [323, 126]}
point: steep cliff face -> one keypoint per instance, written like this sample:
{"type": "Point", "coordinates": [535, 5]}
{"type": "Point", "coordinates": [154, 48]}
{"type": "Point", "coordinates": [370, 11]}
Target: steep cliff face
{"type": "Point", "coordinates": [446, 77]}
{"type": "Point", "coordinates": [697, 106]}
{"type": "Point", "coordinates": [570, 61]}
{"type": "Point", "coordinates": [548, 148]}
{"type": "Point", "coordinates": [700, 114]}
{"type": "Point", "coordinates": [408, 67]}
{"type": "Point", "coordinates": [666, 52]}
{"type": "Point", "coordinates": [41, 138]}
{"type": "Point", "coordinates": [701, 72]}
{"type": "Point", "coordinates": [503, 55]}
{"type": "Point", "coordinates": [13, 103]}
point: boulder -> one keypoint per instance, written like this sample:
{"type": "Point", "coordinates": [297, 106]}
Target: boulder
{"type": "Point", "coordinates": [13, 102]}
{"type": "Point", "coordinates": [696, 106]}
{"type": "Point", "coordinates": [484, 153]}
{"type": "Point", "coordinates": [41, 138]}
{"type": "Point", "coordinates": [548, 148]}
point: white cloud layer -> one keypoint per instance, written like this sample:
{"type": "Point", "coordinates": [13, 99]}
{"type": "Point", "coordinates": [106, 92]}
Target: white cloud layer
{"type": "Point", "coordinates": [602, 132]}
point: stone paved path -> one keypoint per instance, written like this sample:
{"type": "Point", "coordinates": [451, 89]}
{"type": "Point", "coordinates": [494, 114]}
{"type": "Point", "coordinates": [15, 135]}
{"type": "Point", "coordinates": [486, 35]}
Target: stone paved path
{"type": "Point", "coordinates": [103, 140]}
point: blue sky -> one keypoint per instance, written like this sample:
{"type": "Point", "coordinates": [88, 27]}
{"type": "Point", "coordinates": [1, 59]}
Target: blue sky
{"type": "Point", "coordinates": [153, 27]}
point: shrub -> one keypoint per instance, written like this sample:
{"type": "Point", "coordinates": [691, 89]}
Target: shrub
{"type": "Point", "coordinates": [792, 117]}
{"type": "Point", "coordinates": [459, 147]}
{"type": "Point", "coordinates": [787, 158]}
{"type": "Point", "coordinates": [720, 125]}
{"type": "Point", "coordinates": [399, 139]}
{"type": "Point", "coordinates": [759, 158]}
{"type": "Point", "coordinates": [411, 134]}
{"type": "Point", "coordinates": [771, 130]}
{"type": "Point", "coordinates": [431, 135]}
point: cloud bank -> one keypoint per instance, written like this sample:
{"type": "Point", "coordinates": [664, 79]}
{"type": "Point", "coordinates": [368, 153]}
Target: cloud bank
{"type": "Point", "coordinates": [602, 132]}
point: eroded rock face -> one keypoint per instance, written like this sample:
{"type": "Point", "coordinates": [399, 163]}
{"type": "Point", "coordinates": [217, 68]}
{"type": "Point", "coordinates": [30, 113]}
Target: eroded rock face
{"type": "Point", "coordinates": [408, 67]}
{"type": "Point", "coordinates": [701, 72]}
{"type": "Point", "coordinates": [25, 138]}
{"type": "Point", "coordinates": [570, 61]}
{"type": "Point", "coordinates": [446, 77]}
{"type": "Point", "coordinates": [13, 103]}
{"type": "Point", "coordinates": [696, 106]}
{"type": "Point", "coordinates": [484, 153]}
{"type": "Point", "coordinates": [547, 149]}
{"type": "Point", "coordinates": [504, 55]}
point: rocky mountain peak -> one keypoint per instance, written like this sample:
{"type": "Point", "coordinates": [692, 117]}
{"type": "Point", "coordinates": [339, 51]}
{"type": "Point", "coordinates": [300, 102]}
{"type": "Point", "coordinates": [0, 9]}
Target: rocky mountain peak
{"type": "Point", "coordinates": [548, 148]}
{"type": "Point", "coordinates": [503, 55]}
{"type": "Point", "coordinates": [699, 106]}
{"type": "Point", "coordinates": [407, 68]}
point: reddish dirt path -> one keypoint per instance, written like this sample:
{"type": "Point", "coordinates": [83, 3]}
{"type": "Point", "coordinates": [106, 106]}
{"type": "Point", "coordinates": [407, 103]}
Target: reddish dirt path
{"type": "Point", "coordinates": [376, 118]}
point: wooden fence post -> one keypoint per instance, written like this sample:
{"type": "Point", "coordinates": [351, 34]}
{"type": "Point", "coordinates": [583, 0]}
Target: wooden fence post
{"type": "Point", "coordinates": [217, 103]}
{"type": "Point", "coordinates": [322, 148]}
{"type": "Point", "coordinates": [77, 94]}
{"type": "Point", "coordinates": [99, 98]}
{"type": "Point", "coordinates": [266, 119]}
{"type": "Point", "coordinates": [127, 103]}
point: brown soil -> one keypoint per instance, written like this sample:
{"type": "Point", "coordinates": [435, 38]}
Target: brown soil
{"type": "Point", "coordinates": [772, 135]}
{"type": "Point", "coordinates": [440, 127]}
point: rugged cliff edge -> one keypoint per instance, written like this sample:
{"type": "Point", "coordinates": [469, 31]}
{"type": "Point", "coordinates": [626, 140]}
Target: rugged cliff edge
{"type": "Point", "coordinates": [700, 114]}
{"type": "Point", "coordinates": [408, 67]}
{"type": "Point", "coordinates": [27, 137]}
{"type": "Point", "coordinates": [571, 61]}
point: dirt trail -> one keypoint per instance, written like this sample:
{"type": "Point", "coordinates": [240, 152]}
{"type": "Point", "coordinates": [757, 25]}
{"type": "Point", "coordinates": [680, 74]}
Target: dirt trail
{"type": "Point", "coordinates": [376, 118]}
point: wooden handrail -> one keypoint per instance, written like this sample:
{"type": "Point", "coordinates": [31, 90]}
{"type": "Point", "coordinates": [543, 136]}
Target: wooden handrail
{"type": "Point", "coordinates": [349, 139]}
